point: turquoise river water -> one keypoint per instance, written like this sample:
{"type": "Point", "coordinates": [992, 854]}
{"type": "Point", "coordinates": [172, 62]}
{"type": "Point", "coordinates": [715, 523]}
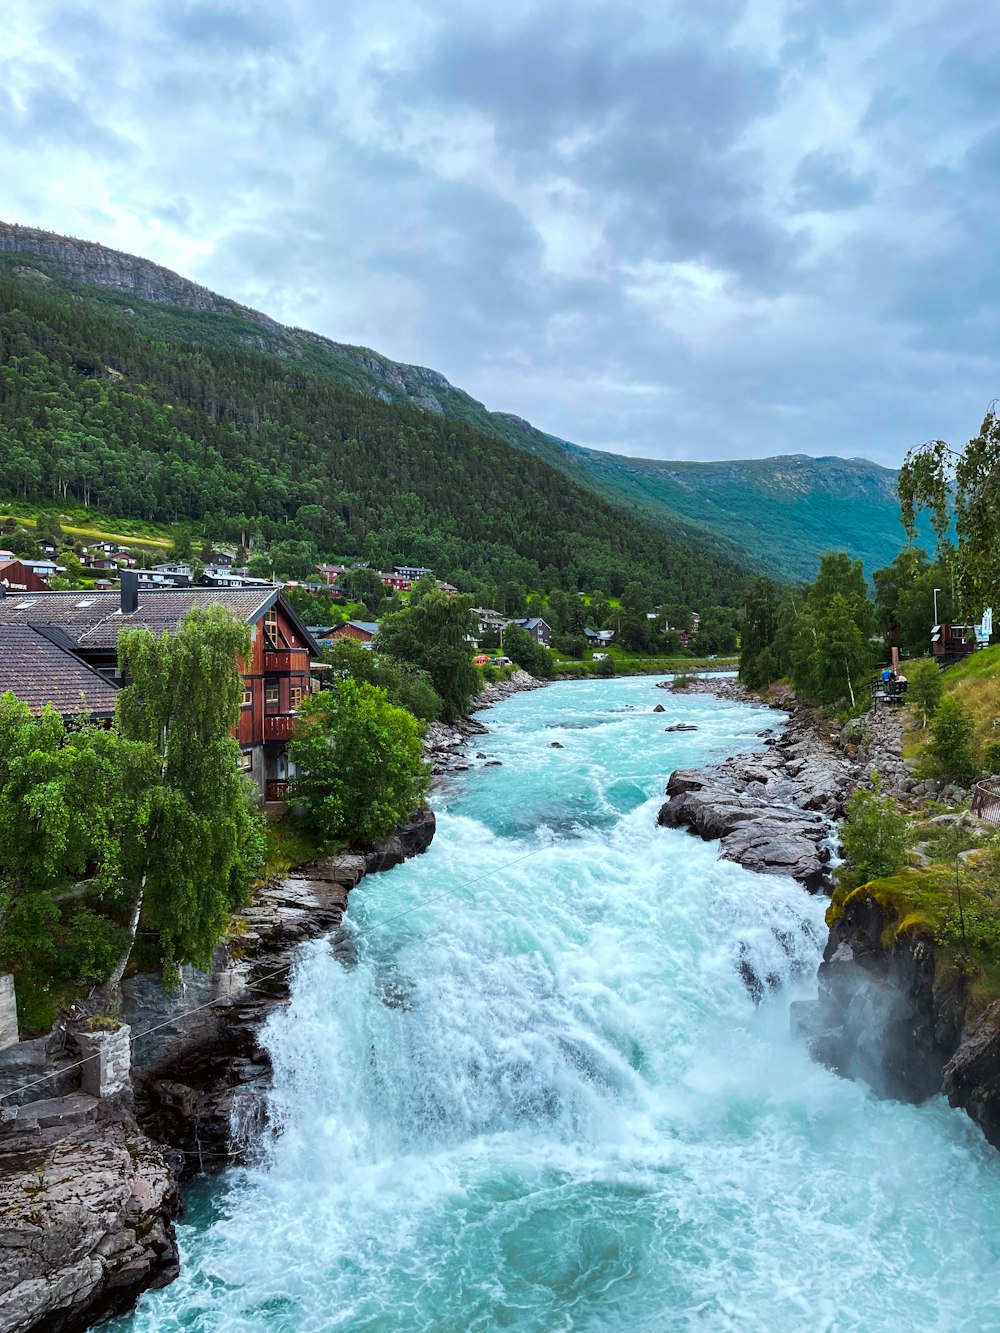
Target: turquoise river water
{"type": "Point", "coordinates": [543, 1099]}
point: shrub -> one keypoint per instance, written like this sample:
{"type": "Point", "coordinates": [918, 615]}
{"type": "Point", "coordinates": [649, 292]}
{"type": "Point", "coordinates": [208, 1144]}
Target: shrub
{"type": "Point", "coordinates": [926, 687]}
{"type": "Point", "coordinates": [360, 768]}
{"type": "Point", "coordinates": [874, 836]}
{"type": "Point", "coordinates": [991, 757]}
{"type": "Point", "coordinates": [681, 682]}
{"type": "Point", "coordinates": [949, 751]}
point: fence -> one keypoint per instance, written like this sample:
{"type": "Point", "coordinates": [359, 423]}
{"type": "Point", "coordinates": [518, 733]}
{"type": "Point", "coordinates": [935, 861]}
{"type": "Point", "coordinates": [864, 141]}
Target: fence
{"type": "Point", "coordinates": [986, 801]}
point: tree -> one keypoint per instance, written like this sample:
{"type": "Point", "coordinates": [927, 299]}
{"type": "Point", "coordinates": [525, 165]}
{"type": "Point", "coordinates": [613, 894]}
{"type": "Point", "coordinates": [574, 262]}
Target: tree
{"type": "Point", "coordinates": [964, 484]}
{"type": "Point", "coordinates": [521, 648]}
{"type": "Point", "coordinates": [827, 644]}
{"type": "Point", "coordinates": [359, 763]}
{"type": "Point", "coordinates": [194, 841]}
{"type": "Point", "coordinates": [60, 794]}
{"type": "Point", "coordinates": [404, 684]}
{"type": "Point", "coordinates": [874, 836]}
{"type": "Point", "coordinates": [925, 687]}
{"type": "Point", "coordinates": [635, 598]}
{"type": "Point", "coordinates": [363, 585]}
{"type": "Point", "coordinates": [759, 630]}
{"type": "Point", "coordinates": [949, 750]}
{"type": "Point", "coordinates": [435, 636]}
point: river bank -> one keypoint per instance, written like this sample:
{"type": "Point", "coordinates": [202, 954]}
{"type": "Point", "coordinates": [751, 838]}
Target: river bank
{"type": "Point", "coordinates": [90, 1165]}
{"type": "Point", "coordinates": [545, 1093]}
{"type": "Point", "coordinates": [896, 1007]}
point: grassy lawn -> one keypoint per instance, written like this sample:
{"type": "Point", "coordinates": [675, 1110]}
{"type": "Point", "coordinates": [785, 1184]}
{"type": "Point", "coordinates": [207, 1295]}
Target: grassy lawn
{"type": "Point", "coordinates": [96, 527]}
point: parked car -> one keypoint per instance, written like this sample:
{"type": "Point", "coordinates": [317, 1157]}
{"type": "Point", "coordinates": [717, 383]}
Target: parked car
{"type": "Point", "coordinates": [500, 661]}
{"type": "Point", "coordinates": [599, 657]}
{"type": "Point", "coordinates": [480, 659]}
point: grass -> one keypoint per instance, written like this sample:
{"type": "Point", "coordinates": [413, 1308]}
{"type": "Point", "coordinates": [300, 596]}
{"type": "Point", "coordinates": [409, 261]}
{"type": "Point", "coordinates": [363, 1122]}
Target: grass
{"type": "Point", "coordinates": [976, 681]}
{"type": "Point", "coordinates": [84, 523]}
{"type": "Point", "coordinates": [289, 844]}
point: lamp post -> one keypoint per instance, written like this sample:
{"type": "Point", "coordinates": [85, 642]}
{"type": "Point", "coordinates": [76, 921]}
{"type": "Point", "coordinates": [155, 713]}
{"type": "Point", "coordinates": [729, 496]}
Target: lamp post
{"type": "Point", "coordinates": [936, 591]}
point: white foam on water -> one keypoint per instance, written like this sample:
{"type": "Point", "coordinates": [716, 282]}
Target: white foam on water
{"type": "Point", "coordinates": [544, 1100]}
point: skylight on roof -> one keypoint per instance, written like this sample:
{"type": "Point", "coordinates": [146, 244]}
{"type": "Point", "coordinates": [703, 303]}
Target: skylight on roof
{"type": "Point", "coordinates": [85, 603]}
{"type": "Point", "coordinates": [23, 606]}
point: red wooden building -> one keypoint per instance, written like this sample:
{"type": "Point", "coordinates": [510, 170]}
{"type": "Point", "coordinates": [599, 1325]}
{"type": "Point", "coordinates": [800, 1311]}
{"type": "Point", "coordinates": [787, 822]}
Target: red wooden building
{"type": "Point", "coordinates": [275, 680]}
{"type": "Point", "coordinates": [16, 577]}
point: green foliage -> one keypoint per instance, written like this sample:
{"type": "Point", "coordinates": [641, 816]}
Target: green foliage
{"type": "Point", "coordinates": [926, 686]}
{"type": "Point", "coordinates": [281, 451]}
{"type": "Point", "coordinates": [874, 836]}
{"type": "Point", "coordinates": [434, 636]}
{"type": "Point", "coordinates": [991, 757]}
{"type": "Point", "coordinates": [830, 650]}
{"type": "Point", "coordinates": [521, 648]}
{"type": "Point", "coordinates": [904, 598]}
{"type": "Point", "coordinates": [949, 751]}
{"type": "Point", "coordinates": [964, 483]}
{"type": "Point", "coordinates": [363, 585]}
{"type": "Point", "coordinates": [405, 685]}
{"type": "Point", "coordinates": [758, 663]}
{"type": "Point", "coordinates": [606, 667]}
{"type": "Point", "coordinates": [195, 841]}
{"type": "Point", "coordinates": [359, 763]}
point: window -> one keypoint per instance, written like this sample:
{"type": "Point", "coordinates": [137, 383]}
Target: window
{"type": "Point", "coordinates": [247, 700]}
{"type": "Point", "coordinates": [271, 627]}
{"type": "Point", "coordinates": [296, 695]}
{"type": "Point", "coordinates": [245, 761]}
{"type": "Point", "coordinates": [271, 696]}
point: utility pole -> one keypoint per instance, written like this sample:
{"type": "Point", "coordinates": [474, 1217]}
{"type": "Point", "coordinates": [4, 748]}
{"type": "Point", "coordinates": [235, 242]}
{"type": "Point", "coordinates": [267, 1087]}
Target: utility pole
{"type": "Point", "coordinates": [936, 591]}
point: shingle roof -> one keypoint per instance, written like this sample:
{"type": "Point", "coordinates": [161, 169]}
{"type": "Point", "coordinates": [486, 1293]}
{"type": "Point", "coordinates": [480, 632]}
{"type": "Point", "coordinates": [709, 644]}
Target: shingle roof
{"type": "Point", "coordinates": [40, 672]}
{"type": "Point", "coordinates": [92, 620]}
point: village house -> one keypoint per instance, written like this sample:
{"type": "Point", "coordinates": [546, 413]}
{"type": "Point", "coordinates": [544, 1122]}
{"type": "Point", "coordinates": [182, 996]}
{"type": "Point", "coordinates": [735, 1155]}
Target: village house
{"type": "Point", "coordinates": [16, 576]}
{"type": "Point", "coordinates": [362, 631]}
{"type": "Point", "coordinates": [167, 576]}
{"type": "Point", "coordinates": [398, 582]}
{"type": "Point", "coordinates": [39, 672]}
{"type": "Point", "coordinates": [598, 637]}
{"type": "Point", "coordinates": [275, 680]}
{"type": "Point", "coordinates": [536, 627]}
{"type": "Point", "coordinates": [412, 572]}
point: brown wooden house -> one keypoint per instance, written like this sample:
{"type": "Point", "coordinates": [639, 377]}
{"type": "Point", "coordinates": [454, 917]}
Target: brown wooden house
{"type": "Point", "coordinates": [17, 577]}
{"type": "Point", "coordinates": [275, 680]}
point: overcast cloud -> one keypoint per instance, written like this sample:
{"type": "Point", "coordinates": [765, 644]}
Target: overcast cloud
{"type": "Point", "coordinates": [711, 229]}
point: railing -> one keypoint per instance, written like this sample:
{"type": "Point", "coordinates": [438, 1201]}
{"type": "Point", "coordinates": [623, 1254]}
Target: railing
{"type": "Point", "coordinates": [278, 726]}
{"type": "Point", "coordinates": [888, 691]}
{"type": "Point", "coordinates": [280, 660]}
{"type": "Point", "coordinates": [986, 801]}
{"type": "Point", "coordinates": [277, 789]}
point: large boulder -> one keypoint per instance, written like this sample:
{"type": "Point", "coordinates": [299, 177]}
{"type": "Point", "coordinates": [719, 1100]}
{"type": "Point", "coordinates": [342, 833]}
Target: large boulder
{"type": "Point", "coordinates": [780, 847]}
{"type": "Point", "coordinates": [88, 1203]}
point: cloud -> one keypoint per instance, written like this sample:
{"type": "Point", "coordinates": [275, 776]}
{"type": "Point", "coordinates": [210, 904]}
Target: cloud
{"type": "Point", "coordinates": [744, 228]}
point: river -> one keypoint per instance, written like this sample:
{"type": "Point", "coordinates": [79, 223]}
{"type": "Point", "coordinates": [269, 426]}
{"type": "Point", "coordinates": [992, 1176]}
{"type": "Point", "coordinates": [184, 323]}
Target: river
{"type": "Point", "coordinates": [544, 1100]}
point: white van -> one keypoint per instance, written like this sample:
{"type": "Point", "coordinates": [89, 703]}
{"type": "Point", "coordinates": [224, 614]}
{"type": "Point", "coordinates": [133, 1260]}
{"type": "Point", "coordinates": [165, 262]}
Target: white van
{"type": "Point", "coordinates": [599, 657]}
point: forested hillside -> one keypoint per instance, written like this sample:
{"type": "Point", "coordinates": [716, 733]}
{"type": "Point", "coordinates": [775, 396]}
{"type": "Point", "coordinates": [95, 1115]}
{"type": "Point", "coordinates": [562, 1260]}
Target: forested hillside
{"type": "Point", "coordinates": [782, 513]}
{"type": "Point", "coordinates": [97, 408]}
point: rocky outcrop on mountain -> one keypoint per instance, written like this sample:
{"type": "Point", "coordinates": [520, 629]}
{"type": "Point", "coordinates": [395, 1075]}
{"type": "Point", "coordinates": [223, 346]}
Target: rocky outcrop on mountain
{"type": "Point", "coordinates": [87, 1202]}
{"type": "Point", "coordinates": [96, 265]}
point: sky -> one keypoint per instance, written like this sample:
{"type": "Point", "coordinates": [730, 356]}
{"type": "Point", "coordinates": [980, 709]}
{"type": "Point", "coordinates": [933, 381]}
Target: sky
{"type": "Point", "coordinates": [701, 230]}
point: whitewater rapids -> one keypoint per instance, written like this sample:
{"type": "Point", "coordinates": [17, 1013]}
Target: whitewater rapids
{"type": "Point", "coordinates": [544, 1100]}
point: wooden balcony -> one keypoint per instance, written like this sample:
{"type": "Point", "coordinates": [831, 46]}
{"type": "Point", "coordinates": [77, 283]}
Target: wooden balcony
{"type": "Point", "coordinates": [278, 726]}
{"type": "Point", "coordinates": [278, 789]}
{"type": "Point", "coordinates": [278, 661]}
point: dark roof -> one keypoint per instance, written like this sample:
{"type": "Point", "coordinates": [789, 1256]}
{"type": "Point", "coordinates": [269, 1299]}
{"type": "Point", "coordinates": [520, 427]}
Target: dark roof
{"type": "Point", "coordinates": [91, 621]}
{"type": "Point", "coordinates": [40, 672]}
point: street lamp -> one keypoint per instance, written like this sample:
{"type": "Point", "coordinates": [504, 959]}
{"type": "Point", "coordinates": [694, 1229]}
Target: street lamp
{"type": "Point", "coordinates": [936, 591]}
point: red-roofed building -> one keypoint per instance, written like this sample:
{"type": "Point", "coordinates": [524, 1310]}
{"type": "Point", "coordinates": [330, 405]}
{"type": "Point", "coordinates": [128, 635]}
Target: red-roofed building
{"type": "Point", "coordinates": [17, 577]}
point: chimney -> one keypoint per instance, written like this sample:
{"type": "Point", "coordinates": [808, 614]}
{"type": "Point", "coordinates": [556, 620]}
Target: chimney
{"type": "Point", "coordinates": [130, 591]}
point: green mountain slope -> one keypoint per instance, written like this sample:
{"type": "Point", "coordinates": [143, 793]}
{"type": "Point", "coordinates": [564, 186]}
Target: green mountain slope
{"type": "Point", "coordinates": [781, 512]}
{"type": "Point", "coordinates": [98, 407]}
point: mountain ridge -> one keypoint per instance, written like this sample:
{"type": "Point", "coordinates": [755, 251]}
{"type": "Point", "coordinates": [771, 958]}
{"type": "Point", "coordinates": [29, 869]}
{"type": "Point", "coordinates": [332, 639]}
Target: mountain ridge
{"type": "Point", "coordinates": [777, 510]}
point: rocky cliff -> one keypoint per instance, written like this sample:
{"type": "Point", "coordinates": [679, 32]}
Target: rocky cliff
{"type": "Point", "coordinates": [88, 1179]}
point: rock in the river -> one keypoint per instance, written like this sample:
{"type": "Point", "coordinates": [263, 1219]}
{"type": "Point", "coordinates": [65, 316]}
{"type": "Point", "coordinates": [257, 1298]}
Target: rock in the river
{"type": "Point", "coordinates": [659, 709]}
{"type": "Point", "coordinates": [682, 726]}
{"type": "Point", "coordinates": [87, 1203]}
{"type": "Point", "coordinates": [771, 847]}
